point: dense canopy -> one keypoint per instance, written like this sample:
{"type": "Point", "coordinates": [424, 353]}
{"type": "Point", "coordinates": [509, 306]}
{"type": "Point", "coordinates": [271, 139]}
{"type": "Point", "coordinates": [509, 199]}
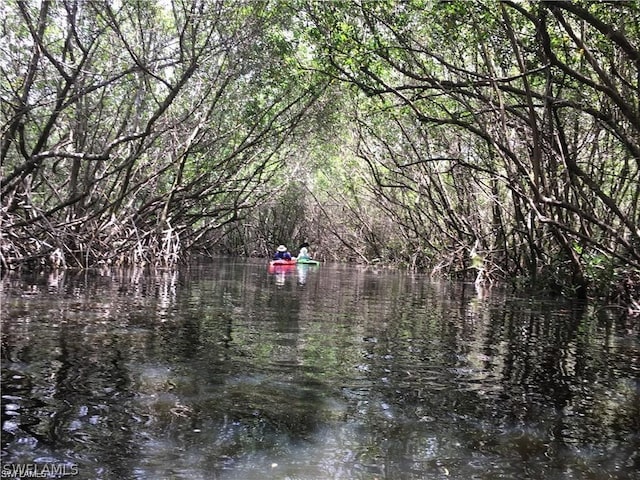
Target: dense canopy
{"type": "Point", "coordinates": [494, 140]}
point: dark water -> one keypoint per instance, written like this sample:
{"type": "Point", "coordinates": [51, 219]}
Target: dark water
{"type": "Point", "coordinates": [228, 372]}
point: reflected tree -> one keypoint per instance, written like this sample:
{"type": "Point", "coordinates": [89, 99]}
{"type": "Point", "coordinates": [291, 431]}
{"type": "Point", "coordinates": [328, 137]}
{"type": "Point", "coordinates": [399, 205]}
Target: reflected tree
{"type": "Point", "coordinates": [499, 139]}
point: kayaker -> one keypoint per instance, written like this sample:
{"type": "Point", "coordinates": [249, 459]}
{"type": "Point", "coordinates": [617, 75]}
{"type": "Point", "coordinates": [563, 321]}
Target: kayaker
{"type": "Point", "coordinates": [304, 252]}
{"type": "Point", "coordinates": [282, 253]}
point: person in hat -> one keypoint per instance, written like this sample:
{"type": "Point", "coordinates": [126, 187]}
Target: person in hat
{"type": "Point", "coordinates": [304, 252]}
{"type": "Point", "coordinates": [282, 253]}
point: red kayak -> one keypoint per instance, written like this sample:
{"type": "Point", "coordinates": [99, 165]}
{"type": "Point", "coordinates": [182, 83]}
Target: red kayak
{"type": "Point", "coordinates": [282, 262]}
{"type": "Point", "coordinates": [276, 266]}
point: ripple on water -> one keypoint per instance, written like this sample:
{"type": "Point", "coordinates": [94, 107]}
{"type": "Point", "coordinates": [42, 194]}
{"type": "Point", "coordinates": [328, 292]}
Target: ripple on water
{"type": "Point", "coordinates": [356, 375]}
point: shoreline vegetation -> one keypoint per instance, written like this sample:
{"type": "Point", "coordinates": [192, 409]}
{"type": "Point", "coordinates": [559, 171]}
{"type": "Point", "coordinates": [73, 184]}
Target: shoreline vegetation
{"type": "Point", "coordinates": [469, 140]}
{"type": "Point", "coordinates": [622, 300]}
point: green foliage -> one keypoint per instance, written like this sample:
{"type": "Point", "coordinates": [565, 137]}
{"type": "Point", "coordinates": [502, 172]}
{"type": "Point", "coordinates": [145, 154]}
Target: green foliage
{"type": "Point", "coordinates": [406, 131]}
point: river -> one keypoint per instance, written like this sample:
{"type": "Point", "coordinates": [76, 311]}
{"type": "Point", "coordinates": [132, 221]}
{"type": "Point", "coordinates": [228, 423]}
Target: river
{"type": "Point", "coordinates": [226, 371]}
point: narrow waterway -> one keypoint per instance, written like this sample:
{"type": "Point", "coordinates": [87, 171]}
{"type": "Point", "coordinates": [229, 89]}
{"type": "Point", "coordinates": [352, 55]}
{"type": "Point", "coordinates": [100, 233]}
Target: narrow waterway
{"type": "Point", "coordinates": [228, 371]}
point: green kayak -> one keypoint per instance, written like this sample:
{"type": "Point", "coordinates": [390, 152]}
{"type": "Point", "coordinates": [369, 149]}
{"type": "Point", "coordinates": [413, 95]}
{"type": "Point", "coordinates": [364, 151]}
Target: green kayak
{"type": "Point", "coordinates": [307, 261]}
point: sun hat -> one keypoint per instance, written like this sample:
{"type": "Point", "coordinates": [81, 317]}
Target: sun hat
{"type": "Point", "coordinates": [282, 248]}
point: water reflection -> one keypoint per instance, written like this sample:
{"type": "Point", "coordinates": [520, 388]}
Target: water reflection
{"type": "Point", "coordinates": [298, 273]}
{"type": "Point", "coordinates": [224, 371]}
